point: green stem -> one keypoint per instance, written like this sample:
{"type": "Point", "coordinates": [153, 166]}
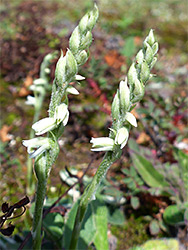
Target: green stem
{"type": "Point", "coordinates": [30, 184]}
{"type": "Point", "coordinates": [42, 176]}
{"type": "Point", "coordinates": [89, 193]}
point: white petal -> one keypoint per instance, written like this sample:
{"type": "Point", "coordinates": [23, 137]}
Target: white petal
{"type": "Point", "coordinates": [66, 118]}
{"type": "Point", "coordinates": [79, 77]}
{"type": "Point", "coordinates": [44, 125]}
{"type": "Point", "coordinates": [131, 119]}
{"type": "Point", "coordinates": [39, 81]}
{"type": "Point", "coordinates": [124, 143]}
{"type": "Point", "coordinates": [109, 148]}
{"type": "Point", "coordinates": [102, 144]}
{"type": "Point", "coordinates": [72, 90]}
{"type": "Point", "coordinates": [122, 136]}
{"type": "Point", "coordinates": [61, 114]}
{"type": "Point", "coordinates": [102, 141]}
{"type": "Point", "coordinates": [30, 100]}
{"type": "Point", "coordinates": [39, 151]}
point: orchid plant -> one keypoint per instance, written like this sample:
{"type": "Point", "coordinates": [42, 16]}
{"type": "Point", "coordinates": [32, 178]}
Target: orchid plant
{"type": "Point", "coordinates": [131, 90]}
{"type": "Point", "coordinates": [39, 87]}
{"type": "Point", "coordinates": [46, 149]}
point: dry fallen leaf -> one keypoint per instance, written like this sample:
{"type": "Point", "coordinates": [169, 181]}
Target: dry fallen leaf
{"type": "Point", "coordinates": [28, 81]}
{"type": "Point", "coordinates": [142, 138]}
{"type": "Point", "coordinates": [4, 133]}
{"type": "Point", "coordinates": [114, 60]}
{"type": "Point", "coordinates": [24, 90]}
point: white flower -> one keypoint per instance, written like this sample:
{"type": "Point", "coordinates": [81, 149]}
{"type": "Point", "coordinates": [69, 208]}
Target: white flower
{"type": "Point", "coordinates": [50, 123]}
{"type": "Point", "coordinates": [44, 125]}
{"type": "Point", "coordinates": [61, 114]}
{"type": "Point", "coordinates": [122, 137]}
{"type": "Point", "coordinates": [30, 100]}
{"type": "Point", "coordinates": [36, 146]}
{"type": "Point", "coordinates": [131, 119]}
{"type": "Point", "coordinates": [72, 90]}
{"type": "Point", "coordinates": [102, 144]}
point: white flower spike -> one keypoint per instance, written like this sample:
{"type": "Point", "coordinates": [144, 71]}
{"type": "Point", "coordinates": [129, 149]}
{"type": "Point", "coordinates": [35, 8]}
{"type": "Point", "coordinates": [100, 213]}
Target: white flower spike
{"type": "Point", "coordinates": [102, 144]}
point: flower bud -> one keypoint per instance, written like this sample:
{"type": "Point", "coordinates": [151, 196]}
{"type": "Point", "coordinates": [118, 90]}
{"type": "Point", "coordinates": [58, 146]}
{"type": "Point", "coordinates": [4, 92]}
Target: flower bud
{"type": "Point", "coordinates": [71, 65]}
{"type": "Point", "coordinates": [47, 70]}
{"type": "Point", "coordinates": [153, 62]}
{"type": "Point", "coordinates": [74, 41]}
{"type": "Point", "coordinates": [124, 95]}
{"type": "Point", "coordinates": [148, 54]}
{"type": "Point", "coordinates": [81, 58]}
{"type": "Point", "coordinates": [131, 119]}
{"type": "Point", "coordinates": [102, 144]}
{"type": "Point", "coordinates": [145, 72]}
{"type": "Point", "coordinates": [93, 16]}
{"type": "Point", "coordinates": [116, 106]}
{"type": "Point", "coordinates": [138, 91]}
{"type": "Point", "coordinates": [155, 48]}
{"type": "Point", "coordinates": [83, 24]}
{"type": "Point", "coordinates": [122, 137]}
{"type": "Point", "coordinates": [86, 41]}
{"type": "Point", "coordinates": [140, 57]}
{"type": "Point", "coordinates": [61, 114]}
{"type": "Point", "coordinates": [60, 70]}
{"type": "Point", "coordinates": [132, 76]}
{"type": "Point", "coordinates": [150, 38]}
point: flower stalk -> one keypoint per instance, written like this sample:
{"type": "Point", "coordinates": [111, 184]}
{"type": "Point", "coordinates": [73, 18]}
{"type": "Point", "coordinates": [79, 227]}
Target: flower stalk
{"type": "Point", "coordinates": [40, 87]}
{"type": "Point", "coordinates": [130, 91]}
{"type": "Point", "coordinates": [45, 149]}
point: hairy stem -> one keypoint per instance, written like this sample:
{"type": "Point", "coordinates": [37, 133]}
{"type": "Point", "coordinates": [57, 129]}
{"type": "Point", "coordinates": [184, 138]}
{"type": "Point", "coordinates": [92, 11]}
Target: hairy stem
{"type": "Point", "coordinates": [89, 193]}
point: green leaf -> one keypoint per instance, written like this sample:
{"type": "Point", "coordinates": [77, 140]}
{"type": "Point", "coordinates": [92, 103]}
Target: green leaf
{"type": "Point", "coordinates": [133, 145]}
{"type": "Point", "coordinates": [135, 203]}
{"type": "Point", "coordinates": [164, 244]}
{"type": "Point", "coordinates": [101, 222]}
{"type": "Point", "coordinates": [149, 174]}
{"type": "Point", "coordinates": [154, 227]}
{"type": "Point", "coordinates": [173, 215]}
{"type": "Point", "coordinates": [88, 230]}
{"type": "Point", "coordinates": [115, 216]}
{"type": "Point", "coordinates": [69, 226]}
{"type": "Point", "coordinates": [129, 48]}
{"type": "Point", "coordinates": [53, 224]}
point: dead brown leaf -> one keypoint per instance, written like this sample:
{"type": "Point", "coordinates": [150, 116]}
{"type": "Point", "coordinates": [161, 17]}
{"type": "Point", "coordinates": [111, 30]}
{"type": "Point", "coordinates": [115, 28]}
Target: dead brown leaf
{"type": "Point", "coordinates": [114, 60]}
{"type": "Point", "coordinates": [143, 138]}
{"type": "Point", "coordinates": [4, 133]}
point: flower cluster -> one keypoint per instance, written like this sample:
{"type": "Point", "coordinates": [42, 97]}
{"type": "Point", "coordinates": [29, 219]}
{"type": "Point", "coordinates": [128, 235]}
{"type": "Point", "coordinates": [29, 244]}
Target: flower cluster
{"type": "Point", "coordinates": [66, 72]}
{"type": "Point", "coordinates": [130, 91]}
